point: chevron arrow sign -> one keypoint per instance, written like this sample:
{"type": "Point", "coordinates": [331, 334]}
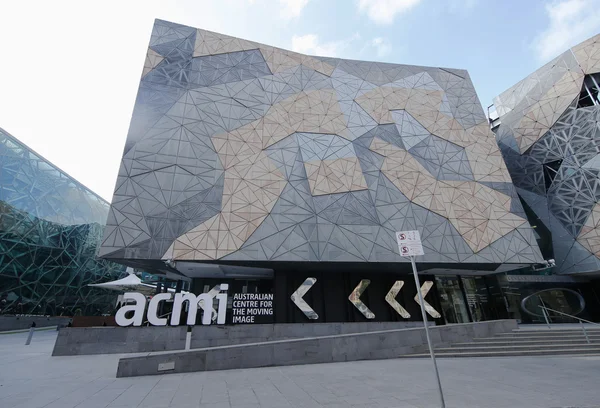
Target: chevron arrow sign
{"type": "Point", "coordinates": [301, 303]}
{"type": "Point", "coordinates": [428, 308]}
{"type": "Point", "coordinates": [354, 298]}
{"type": "Point", "coordinates": [391, 299]}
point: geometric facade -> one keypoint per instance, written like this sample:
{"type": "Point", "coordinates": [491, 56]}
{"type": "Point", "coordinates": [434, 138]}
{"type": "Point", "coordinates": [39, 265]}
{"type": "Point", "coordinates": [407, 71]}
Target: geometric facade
{"type": "Point", "coordinates": [50, 229]}
{"type": "Point", "coordinates": [239, 151]}
{"type": "Point", "coordinates": [550, 138]}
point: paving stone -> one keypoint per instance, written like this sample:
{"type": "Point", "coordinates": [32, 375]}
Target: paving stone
{"type": "Point", "coordinates": [89, 382]}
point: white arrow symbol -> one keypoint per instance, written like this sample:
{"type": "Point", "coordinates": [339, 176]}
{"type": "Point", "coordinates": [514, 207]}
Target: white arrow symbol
{"type": "Point", "coordinates": [428, 308]}
{"type": "Point", "coordinates": [355, 299]}
{"type": "Point", "coordinates": [391, 299]}
{"type": "Point", "coordinates": [298, 301]}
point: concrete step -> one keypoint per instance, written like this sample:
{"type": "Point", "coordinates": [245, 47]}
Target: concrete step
{"type": "Point", "coordinates": [516, 348]}
{"type": "Point", "coordinates": [540, 338]}
{"type": "Point", "coordinates": [550, 333]}
{"type": "Point", "coordinates": [495, 342]}
{"type": "Point", "coordinates": [536, 334]}
{"type": "Point", "coordinates": [558, 330]}
{"type": "Point", "coordinates": [544, 352]}
{"type": "Point", "coordinates": [518, 342]}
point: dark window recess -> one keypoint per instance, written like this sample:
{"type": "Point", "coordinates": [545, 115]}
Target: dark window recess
{"type": "Point", "coordinates": [541, 232]}
{"type": "Point", "coordinates": [589, 95]}
{"type": "Point", "coordinates": [550, 171]}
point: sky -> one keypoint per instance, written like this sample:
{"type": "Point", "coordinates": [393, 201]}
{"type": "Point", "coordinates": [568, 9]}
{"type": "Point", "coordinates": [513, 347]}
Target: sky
{"type": "Point", "coordinates": [70, 70]}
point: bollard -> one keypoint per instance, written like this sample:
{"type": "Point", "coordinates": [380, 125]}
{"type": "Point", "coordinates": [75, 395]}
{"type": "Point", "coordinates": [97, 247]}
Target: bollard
{"type": "Point", "coordinates": [31, 329]}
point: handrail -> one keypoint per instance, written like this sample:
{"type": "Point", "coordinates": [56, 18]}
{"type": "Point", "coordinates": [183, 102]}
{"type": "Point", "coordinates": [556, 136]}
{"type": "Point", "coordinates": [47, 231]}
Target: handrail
{"type": "Point", "coordinates": [566, 314]}
{"type": "Point", "coordinates": [547, 317]}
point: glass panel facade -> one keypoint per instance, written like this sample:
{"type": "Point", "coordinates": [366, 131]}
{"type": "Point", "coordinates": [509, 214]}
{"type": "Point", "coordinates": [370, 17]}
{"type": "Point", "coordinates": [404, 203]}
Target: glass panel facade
{"type": "Point", "coordinates": [452, 299]}
{"type": "Point", "coordinates": [50, 227]}
{"type": "Point", "coordinates": [478, 298]}
{"type": "Point", "coordinates": [563, 294]}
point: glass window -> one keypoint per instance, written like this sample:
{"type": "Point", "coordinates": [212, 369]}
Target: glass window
{"type": "Point", "coordinates": [478, 299]}
{"type": "Point", "coordinates": [452, 300]}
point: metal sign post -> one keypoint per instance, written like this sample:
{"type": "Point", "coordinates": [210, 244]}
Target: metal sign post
{"type": "Point", "coordinates": [409, 244]}
{"type": "Point", "coordinates": [29, 336]}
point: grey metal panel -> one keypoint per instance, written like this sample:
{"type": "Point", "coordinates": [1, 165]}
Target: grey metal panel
{"type": "Point", "coordinates": [557, 176]}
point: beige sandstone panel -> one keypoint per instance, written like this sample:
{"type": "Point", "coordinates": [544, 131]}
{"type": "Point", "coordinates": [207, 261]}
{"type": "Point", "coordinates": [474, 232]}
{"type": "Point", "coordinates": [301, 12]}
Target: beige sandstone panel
{"type": "Point", "coordinates": [480, 214]}
{"type": "Point", "coordinates": [209, 43]}
{"type": "Point", "coordinates": [152, 60]}
{"type": "Point", "coordinates": [428, 195]}
{"type": "Point", "coordinates": [543, 114]}
{"type": "Point", "coordinates": [411, 178]}
{"type": "Point", "coordinates": [201, 242]}
{"type": "Point", "coordinates": [443, 126]}
{"type": "Point", "coordinates": [335, 176]}
{"type": "Point", "coordinates": [484, 155]}
{"type": "Point", "coordinates": [482, 151]}
{"type": "Point", "coordinates": [423, 105]}
{"type": "Point", "coordinates": [389, 150]}
{"type": "Point", "coordinates": [279, 60]}
{"type": "Point", "coordinates": [239, 145]}
{"type": "Point", "coordinates": [252, 186]}
{"type": "Point", "coordinates": [313, 63]}
{"type": "Point", "coordinates": [375, 103]}
{"type": "Point", "coordinates": [277, 125]}
{"type": "Point", "coordinates": [589, 236]}
{"type": "Point", "coordinates": [378, 102]}
{"type": "Point", "coordinates": [253, 183]}
{"type": "Point", "coordinates": [402, 169]}
{"type": "Point", "coordinates": [423, 100]}
{"type": "Point", "coordinates": [465, 212]}
{"type": "Point", "coordinates": [587, 55]}
{"type": "Point", "coordinates": [311, 112]}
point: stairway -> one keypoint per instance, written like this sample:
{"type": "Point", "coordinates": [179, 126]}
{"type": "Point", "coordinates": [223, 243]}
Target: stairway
{"type": "Point", "coordinates": [526, 342]}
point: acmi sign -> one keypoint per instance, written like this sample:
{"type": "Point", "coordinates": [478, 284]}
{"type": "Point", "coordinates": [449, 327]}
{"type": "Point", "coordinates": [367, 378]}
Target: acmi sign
{"type": "Point", "coordinates": [203, 301]}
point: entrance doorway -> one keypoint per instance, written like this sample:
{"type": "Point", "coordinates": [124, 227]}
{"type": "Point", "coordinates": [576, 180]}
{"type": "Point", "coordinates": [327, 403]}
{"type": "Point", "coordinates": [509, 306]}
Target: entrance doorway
{"type": "Point", "coordinates": [478, 298]}
{"type": "Point", "coordinates": [452, 299]}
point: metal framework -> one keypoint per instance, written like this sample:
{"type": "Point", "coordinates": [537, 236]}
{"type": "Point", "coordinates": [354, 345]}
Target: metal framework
{"type": "Point", "coordinates": [50, 229]}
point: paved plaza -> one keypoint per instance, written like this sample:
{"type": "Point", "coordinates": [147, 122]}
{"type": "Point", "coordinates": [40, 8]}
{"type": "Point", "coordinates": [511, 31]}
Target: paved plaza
{"type": "Point", "coordinates": [31, 378]}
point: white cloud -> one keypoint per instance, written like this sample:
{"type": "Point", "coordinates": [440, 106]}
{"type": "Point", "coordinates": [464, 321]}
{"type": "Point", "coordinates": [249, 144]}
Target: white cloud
{"type": "Point", "coordinates": [292, 8]}
{"type": "Point", "coordinates": [351, 47]}
{"type": "Point", "coordinates": [310, 44]}
{"type": "Point", "coordinates": [382, 46]}
{"type": "Point", "coordinates": [384, 11]}
{"type": "Point", "coordinates": [571, 21]}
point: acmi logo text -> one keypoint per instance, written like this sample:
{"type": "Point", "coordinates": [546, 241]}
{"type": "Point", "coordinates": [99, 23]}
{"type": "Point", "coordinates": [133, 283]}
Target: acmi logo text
{"type": "Point", "coordinates": [203, 301]}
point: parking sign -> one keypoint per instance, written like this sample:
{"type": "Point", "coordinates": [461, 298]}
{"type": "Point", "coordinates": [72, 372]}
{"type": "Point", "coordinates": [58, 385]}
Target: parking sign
{"type": "Point", "coordinates": [409, 243]}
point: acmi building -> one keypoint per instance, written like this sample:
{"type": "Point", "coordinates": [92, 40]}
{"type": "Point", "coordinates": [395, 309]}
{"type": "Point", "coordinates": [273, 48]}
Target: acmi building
{"type": "Point", "coordinates": [278, 173]}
